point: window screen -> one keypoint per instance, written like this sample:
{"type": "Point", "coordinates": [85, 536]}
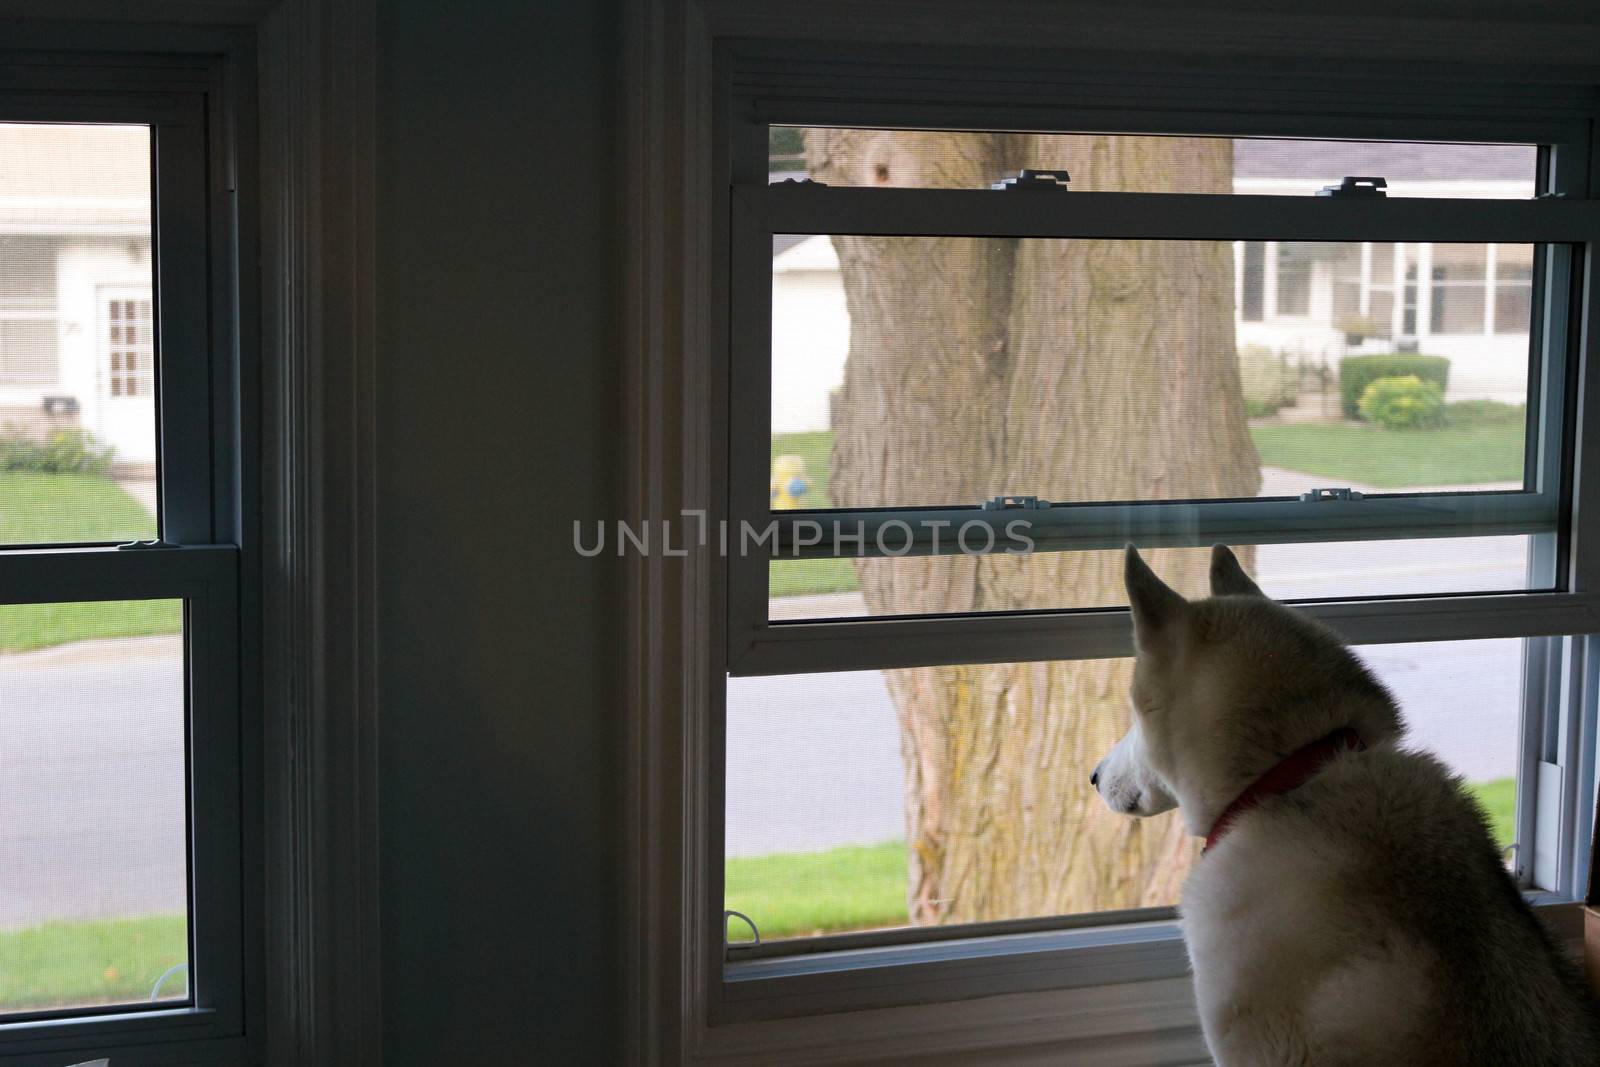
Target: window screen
{"type": "Point", "coordinates": [932, 796]}
{"type": "Point", "coordinates": [77, 341]}
{"type": "Point", "coordinates": [94, 870]}
{"type": "Point", "coordinates": [926, 371]}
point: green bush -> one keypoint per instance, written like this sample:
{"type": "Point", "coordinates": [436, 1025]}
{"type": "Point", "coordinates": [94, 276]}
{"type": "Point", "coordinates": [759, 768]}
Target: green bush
{"type": "Point", "coordinates": [1403, 402]}
{"type": "Point", "coordinates": [62, 452]}
{"type": "Point", "coordinates": [1358, 372]}
{"type": "Point", "coordinates": [1268, 380]}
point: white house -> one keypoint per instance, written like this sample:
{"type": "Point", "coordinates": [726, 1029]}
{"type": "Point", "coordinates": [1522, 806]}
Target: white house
{"type": "Point", "coordinates": [76, 348]}
{"type": "Point", "coordinates": [1313, 302]}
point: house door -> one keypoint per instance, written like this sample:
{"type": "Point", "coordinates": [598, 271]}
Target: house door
{"type": "Point", "coordinates": [125, 419]}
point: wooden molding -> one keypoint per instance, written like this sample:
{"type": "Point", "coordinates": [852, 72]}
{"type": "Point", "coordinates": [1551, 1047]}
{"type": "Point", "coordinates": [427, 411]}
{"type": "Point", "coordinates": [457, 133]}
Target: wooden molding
{"type": "Point", "coordinates": [318, 331]}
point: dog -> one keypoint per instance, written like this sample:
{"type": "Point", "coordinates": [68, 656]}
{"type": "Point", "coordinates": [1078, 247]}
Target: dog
{"type": "Point", "coordinates": [1350, 906]}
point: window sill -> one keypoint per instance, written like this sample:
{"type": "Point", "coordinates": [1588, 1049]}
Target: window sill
{"type": "Point", "coordinates": [937, 975]}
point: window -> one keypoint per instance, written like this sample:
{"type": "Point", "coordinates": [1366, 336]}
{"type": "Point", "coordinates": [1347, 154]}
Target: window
{"type": "Point", "coordinates": [129, 344]}
{"type": "Point", "coordinates": [952, 401]}
{"type": "Point", "coordinates": [27, 312]}
{"type": "Point", "coordinates": [124, 546]}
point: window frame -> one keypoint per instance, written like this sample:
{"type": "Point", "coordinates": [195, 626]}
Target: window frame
{"type": "Point", "coordinates": [207, 480]}
{"type": "Point", "coordinates": [694, 67]}
{"type": "Point", "coordinates": [885, 969]}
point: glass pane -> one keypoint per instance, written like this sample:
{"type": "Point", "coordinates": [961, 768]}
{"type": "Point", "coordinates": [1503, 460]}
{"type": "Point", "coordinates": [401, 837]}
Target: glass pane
{"type": "Point", "coordinates": [960, 761]}
{"type": "Point", "coordinates": [77, 340]}
{"type": "Point", "coordinates": [811, 589]}
{"type": "Point", "coordinates": [964, 159]}
{"type": "Point", "coordinates": [918, 371]}
{"type": "Point", "coordinates": [93, 843]}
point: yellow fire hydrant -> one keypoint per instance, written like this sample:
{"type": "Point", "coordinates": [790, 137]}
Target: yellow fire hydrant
{"type": "Point", "coordinates": [789, 482]}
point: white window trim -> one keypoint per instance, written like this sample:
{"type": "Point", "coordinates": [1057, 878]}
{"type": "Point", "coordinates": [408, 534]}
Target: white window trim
{"type": "Point", "coordinates": [675, 219]}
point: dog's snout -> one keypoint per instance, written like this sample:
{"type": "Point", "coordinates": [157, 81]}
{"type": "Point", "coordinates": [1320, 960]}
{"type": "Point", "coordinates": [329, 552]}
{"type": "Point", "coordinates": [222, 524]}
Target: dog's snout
{"type": "Point", "coordinates": [1094, 776]}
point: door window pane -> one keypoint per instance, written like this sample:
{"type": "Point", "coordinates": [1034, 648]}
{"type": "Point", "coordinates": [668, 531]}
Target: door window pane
{"type": "Point", "coordinates": [77, 342]}
{"type": "Point", "coordinates": [94, 874]}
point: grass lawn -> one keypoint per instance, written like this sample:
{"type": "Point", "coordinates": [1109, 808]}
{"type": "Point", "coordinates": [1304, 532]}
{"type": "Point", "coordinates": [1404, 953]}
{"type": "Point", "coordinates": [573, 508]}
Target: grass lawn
{"type": "Point", "coordinates": [72, 964]}
{"type": "Point", "coordinates": [64, 508]}
{"type": "Point", "coordinates": [1395, 459]}
{"type": "Point", "coordinates": [863, 887]}
{"type": "Point", "coordinates": [67, 508]}
{"type": "Point", "coordinates": [795, 894]}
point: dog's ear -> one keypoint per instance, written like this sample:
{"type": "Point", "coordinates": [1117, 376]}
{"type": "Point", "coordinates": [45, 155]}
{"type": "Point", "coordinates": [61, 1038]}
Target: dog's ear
{"type": "Point", "coordinates": [1156, 605]}
{"type": "Point", "coordinates": [1227, 577]}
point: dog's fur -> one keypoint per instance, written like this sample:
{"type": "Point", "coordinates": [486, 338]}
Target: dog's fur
{"type": "Point", "coordinates": [1365, 917]}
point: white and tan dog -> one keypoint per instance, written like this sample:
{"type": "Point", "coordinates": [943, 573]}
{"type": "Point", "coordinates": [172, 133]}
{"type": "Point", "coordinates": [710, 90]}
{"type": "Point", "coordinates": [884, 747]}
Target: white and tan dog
{"type": "Point", "coordinates": [1351, 906]}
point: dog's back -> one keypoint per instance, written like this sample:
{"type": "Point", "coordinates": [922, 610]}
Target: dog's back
{"type": "Point", "coordinates": [1360, 916]}
{"type": "Point", "coordinates": [1371, 906]}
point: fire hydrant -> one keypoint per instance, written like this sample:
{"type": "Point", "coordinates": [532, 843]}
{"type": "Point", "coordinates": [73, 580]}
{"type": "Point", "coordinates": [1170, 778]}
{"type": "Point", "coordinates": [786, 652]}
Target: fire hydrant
{"type": "Point", "coordinates": [789, 482]}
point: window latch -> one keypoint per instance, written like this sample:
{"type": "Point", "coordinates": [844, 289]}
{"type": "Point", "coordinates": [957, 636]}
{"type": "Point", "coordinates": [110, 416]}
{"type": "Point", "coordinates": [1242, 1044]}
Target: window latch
{"type": "Point", "coordinates": [1356, 186]}
{"type": "Point", "coordinates": [153, 543]}
{"type": "Point", "coordinates": [798, 183]}
{"type": "Point", "coordinates": [1316, 496]}
{"type": "Point", "coordinates": [1015, 503]}
{"type": "Point", "coordinates": [1035, 179]}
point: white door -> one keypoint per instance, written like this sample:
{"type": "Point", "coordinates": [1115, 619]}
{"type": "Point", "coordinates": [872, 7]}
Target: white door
{"type": "Point", "coordinates": [126, 419]}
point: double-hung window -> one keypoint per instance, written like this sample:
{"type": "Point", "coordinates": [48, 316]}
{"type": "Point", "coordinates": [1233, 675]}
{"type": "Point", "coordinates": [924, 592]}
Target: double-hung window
{"type": "Point", "coordinates": [124, 542]}
{"type": "Point", "coordinates": [973, 352]}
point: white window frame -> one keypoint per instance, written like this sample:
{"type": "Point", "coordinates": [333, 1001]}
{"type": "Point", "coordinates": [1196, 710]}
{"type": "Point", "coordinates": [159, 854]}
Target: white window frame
{"type": "Point", "coordinates": [686, 1011]}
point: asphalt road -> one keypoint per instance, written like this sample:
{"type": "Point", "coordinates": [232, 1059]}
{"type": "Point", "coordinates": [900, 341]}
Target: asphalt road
{"type": "Point", "coordinates": [91, 782]}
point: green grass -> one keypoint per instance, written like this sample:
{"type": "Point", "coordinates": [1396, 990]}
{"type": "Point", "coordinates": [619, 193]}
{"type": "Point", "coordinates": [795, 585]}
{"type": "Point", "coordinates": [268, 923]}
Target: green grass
{"type": "Point", "coordinates": [26, 627]}
{"type": "Point", "coordinates": [1395, 459]}
{"type": "Point", "coordinates": [816, 449]}
{"type": "Point", "coordinates": [73, 964]}
{"type": "Point", "coordinates": [1498, 799]}
{"type": "Point", "coordinates": [863, 887]}
{"type": "Point", "coordinates": [803, 577]}
{"type": "Point", "coordinates": [66, 508]}
{"type": "Point", "coordinates": [795, 894]}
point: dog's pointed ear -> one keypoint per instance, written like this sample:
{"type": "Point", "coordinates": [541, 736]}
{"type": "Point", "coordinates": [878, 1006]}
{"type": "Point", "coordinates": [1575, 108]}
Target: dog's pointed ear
{"type": "Point", "coordinates": [1227, 577]}
{"type": "Point", "coordinates": [1156, 605]}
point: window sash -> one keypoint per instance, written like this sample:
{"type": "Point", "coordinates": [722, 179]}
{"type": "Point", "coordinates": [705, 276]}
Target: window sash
{"type": "Point", "coordinates": [206, 579]}
{"type": "Point", "coordinates": [1563, 228]}
{"type": "Point", "coordinates": [836, 99]}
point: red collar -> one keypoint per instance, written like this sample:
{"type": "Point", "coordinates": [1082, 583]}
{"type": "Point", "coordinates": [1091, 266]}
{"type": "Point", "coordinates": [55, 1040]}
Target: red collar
{"type": "Point", "coordinates": [1288, 774]}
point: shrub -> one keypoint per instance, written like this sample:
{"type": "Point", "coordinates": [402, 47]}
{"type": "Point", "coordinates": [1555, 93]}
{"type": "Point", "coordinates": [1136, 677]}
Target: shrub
{"type": "Point", "coordinates": [62, 452]}
{"type": "Point", "coordinates": [1358, 372]}
{"type": "Point", "coordinates": [1403, 402]}
{"type": "Point", "coordinates": [1268, 380]}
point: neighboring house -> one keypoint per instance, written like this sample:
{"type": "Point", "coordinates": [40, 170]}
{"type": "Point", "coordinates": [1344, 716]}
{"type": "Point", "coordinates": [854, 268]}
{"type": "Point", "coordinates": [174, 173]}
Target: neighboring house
{"type": "Point", "coordinates": [76, 338]}
{"type": "Point", "coordinates": [1312, 302]}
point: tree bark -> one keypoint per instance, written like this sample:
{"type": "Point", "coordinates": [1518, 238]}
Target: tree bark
{"type": "Point", "coordinates": [1072, 370]}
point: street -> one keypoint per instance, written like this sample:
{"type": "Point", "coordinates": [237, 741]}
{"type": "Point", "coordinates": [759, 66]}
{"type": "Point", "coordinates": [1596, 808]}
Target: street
{"type": "Point", "coordinates": [92, 821]}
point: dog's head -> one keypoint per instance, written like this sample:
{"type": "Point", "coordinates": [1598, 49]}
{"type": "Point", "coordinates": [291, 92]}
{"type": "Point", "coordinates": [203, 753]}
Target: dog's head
{"type": "Point", "coordinates": [1223, 688]}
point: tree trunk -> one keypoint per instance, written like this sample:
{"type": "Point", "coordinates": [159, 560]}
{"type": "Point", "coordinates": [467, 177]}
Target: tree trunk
{"type": "Point", "coordinates": [1072, 370]}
